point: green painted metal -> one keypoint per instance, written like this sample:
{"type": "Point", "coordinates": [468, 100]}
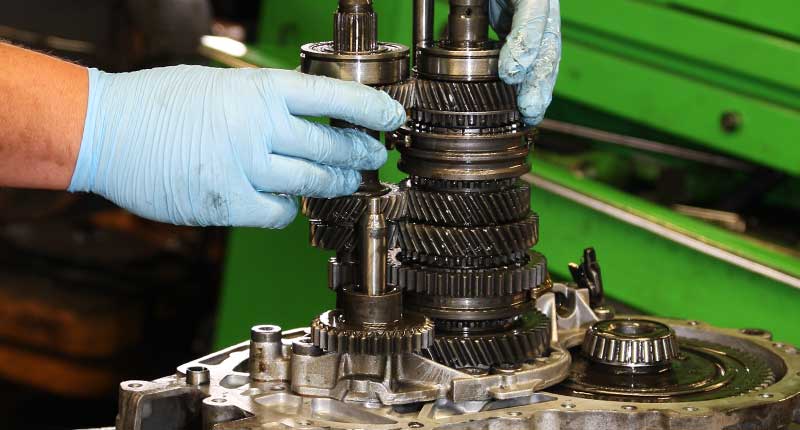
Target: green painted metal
{"type": "Point", "coordinates": [626, 69]}
{"type": "Point", "coordinates": [656, 275]}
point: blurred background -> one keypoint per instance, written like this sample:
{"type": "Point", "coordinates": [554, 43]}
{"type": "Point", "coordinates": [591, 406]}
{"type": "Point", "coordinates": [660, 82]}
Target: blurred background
{"type": "Point", "coordinates": [671, 147]}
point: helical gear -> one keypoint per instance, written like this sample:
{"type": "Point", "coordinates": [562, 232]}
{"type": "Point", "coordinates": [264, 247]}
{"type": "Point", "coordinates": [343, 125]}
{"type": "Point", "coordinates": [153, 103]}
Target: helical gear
{"type": "Point", "coordinates": [468, 208]}
{"type": "Point", "coordinates": [528, 341]}
{"type": "Point", "coordinates": [348, 209]}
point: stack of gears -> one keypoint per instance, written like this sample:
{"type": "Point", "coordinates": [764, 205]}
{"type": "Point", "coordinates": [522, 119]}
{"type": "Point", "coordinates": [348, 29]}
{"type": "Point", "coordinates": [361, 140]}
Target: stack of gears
{"type": "Point", "coordinates": [459, 229]}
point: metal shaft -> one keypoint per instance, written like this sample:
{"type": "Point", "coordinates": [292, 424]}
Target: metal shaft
{"type": "Point", "coordinates": [423, 22]}
{"type": "Point", "coordinates": [468, 23]}
{"type": "Point", "coordinates": [373, 249]}
{"type": "Point", "coordinates": [355, 27]}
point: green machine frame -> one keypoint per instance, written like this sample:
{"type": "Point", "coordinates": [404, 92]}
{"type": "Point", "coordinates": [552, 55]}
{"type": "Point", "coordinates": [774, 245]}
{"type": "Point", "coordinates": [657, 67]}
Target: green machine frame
{"type": "Point", "coordinates": [676, 66]}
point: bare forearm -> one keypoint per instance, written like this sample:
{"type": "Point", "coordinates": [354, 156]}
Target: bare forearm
{"type": "Point", "coordinates": [41, 118]}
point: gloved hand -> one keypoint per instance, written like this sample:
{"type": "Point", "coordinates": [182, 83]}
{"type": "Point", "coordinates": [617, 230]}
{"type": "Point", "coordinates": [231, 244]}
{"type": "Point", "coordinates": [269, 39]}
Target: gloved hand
{"type": "Point", "coordinates": [197, 145]}
{"type": "Point", "coordinates": [529, 59]}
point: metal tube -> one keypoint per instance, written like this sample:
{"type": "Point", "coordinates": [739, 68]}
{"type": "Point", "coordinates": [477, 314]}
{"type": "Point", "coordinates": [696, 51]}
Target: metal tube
{"type": "Point", "coordinates": [423, 22]}
{"type": "Point", "coordinates": [468, 23]}
{"type": "Point", "coordinates": [373, 249]}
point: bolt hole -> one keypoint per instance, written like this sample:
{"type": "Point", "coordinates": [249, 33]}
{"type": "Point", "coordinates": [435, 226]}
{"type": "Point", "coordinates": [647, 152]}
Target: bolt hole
{"type": "Point", "coordinates": [753, 331]}
{"type": "Point", "coordinates": [135, 385]}
{"type": "Point", "coordinates": [691, 409]}
{"type": "Point", "coordinates": [515, 414]}
{"type": "Point", "coordinates": [766, 395]}
{"type": "Point", "coordinates": [694, 323]}
{"type": "Point", "coordinates": [196, 369]}
{"type": "Point", "coordinates": [304, 422]}
{"type": "Point", "coordinates": [568, 405]}
{"type": "Point", "coordinates": [219, 400]}
{"type": "Point", "coordinates": [415, 425]}
{"type": "Point", "coordinates": [278, 388]}
{"type": "Point", "coordinates": [629, 407]}
{"type": "Point", "coordinates": [468, 12]}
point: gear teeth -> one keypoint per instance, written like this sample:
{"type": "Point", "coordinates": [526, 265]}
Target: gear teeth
{"type": "Point", "coordinates": [520, 257]}
{"type": "Point", "coordinates": [469, 208]}
{"type": "Point", "coordinates": [402, 92]}
{"type": "Point", "coordinates": [484, 241]}
{"type": "Point", "coordinates": [413, 334]}
{"type": "Point", "coordinates": [472, 283]}
{"type": "Point", "coordinates": [343, 237]}
{"type": "Point", "coordinates": [451, 185]}
{"type": "Point", "coordinates": [472, 105]}
{"type": "Point", "coordinates": [348, 210]}
{"type": "Point", "coordinates": [486, 350]}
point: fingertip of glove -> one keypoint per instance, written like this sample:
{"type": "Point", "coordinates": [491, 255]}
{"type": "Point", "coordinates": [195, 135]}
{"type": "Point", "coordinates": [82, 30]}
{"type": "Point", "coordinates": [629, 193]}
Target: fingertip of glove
{"type": "Point", "coordinates": [393, 115]}
{"type": "Point", "coordinates": [509, 69]}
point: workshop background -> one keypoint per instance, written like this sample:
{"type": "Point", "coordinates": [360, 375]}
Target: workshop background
{"type": "Point", "coordinates": [672, 146]}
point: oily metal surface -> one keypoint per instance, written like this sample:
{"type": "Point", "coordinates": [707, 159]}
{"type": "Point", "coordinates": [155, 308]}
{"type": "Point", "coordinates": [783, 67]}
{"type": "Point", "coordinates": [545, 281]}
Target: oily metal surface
{"type": "Point", "coordinates": [526, 341]}
{"type": "Point", "coordinates": [332, 333]}
{"type": "Point", "coordinates": [482, 241]}
{"type": "Point", "coordinates": [459, 208]}
{"type": "Point", "coordinates": [347, 210]}
{"type": "Point", "coordinates": [703, 371]}
{"type": "Point", "coordinates": [486, 282]}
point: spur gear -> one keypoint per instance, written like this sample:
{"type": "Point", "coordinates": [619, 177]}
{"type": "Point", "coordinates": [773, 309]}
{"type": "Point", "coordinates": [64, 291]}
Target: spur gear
{"type": "Point", "coordinates": [527, 341]}
{"type": "Point", "coordinates": [489, 282]}
{"type": "Point", "coordinates": [331, 333]}
{"type": "Point", "coordinates": [347, 210]}
{"type": "Point", "coordinates": [483, 241]}
{"type": "Point", "coordinates": [468, 208]}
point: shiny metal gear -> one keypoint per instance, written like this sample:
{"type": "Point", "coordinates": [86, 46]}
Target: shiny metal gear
{"type": "Point", "coordinates": [502, 239]}
{"type": "Point", "coordinates": [631, 343]}
{"type": "Point", "coordinates": [526, 342]}
{"type": "Point", "coordinates": [468, 208]}
{"type": "Point", "coordinates": [403, 92]}
{"type": "Point", "coordinates": [489, 282]}
{"type": "Point", "coordinates": [347, 210]}
{"type": "Point", "coordinates": [520, 257]}
{"type": "Point", "coordinates": [458, 105]}
{"type": "Point", "coordinates": [413, 333]}
{"type": "Point", "coordinates": [343, 237]}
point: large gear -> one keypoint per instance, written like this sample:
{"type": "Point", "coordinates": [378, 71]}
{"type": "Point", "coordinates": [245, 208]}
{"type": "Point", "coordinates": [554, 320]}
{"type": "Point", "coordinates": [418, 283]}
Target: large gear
{"type": "Point", "coordinates": [502, 239]}
{"type": "Point", "coordinates": [402, 92]}
{"type": "Point", "coordinates": [458, 105]}
{"type": "Point", "coordinates": [468, 208]}
{"type": "Point", "coordinates": [413, 333]}
{"type": "Point", "coordinates": [456, 185]}
{"type": "Point", "coordinates": [489, 282]}
{"type": "Point", "coordinates": [347, 210]}
{"type": "Point", "coordinates": [526, 342]}
{"type": "Point", "coordinates": [332, 237]}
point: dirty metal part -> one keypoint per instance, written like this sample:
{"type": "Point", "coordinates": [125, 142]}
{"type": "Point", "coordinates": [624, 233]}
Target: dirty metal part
{"type": "Point", "coordinates": [347, 210]}
{"type": "Point", "coordinates": [373, 234]}
{"type": "Point", "coordinates": [587, 275]}
{"type": "Point", "coordinates": [631, 345]}
{"type": "Point", "coordinates": [488, 282]}
{"type": "Point", "coordinates": [520, 257]}
{"type": "Point", "coordinates": [527, 340]}
{"type": "Point", "coordinates": [490, 240]}
{"type": "Point", "coordinates": [467, 208]}
{"type": "Point", "coordinates": [464, 105]}
{"type": "Point", "coordinates": [333, 333]}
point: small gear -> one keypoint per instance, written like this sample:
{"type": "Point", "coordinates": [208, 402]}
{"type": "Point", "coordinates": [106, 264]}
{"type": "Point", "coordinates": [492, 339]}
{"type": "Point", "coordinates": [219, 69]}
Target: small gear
{"type": "Point", "coordinates": [468, 208]}
{"type": "Point", "coordinates": [520, 257]}
{"type": "Point", "coordinates": [490, 282]}
{"type": "Point", "coordinates": [413, 333]}
{"type": "Point", "coordinates": [502, 239]}
{"type": "Point", "coordinates": [343, 237]}
{"type": "Point", "coordinates": [333, 237]}
{"type": "Point", "coordinates": [528, 341]}
{"type": "Point", "coordinates": [348, 210]}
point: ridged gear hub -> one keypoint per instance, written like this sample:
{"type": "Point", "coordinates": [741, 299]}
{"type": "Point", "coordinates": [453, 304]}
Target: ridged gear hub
{"type": "Point", "coordinates": [332, 333]}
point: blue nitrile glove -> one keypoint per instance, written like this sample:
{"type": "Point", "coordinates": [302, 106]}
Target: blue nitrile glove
{"type": "Point", "coordinates": [529, 59]}
{"type": "Point", "coordinates": [209, 146]}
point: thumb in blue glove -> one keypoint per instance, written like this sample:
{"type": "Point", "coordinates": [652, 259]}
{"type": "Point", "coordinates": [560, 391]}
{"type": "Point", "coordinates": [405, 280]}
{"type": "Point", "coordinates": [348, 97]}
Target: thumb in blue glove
{"type": "Point", "coordinates": [196, 145]}
{"type": "Point", "coordinates": [529, 59]}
